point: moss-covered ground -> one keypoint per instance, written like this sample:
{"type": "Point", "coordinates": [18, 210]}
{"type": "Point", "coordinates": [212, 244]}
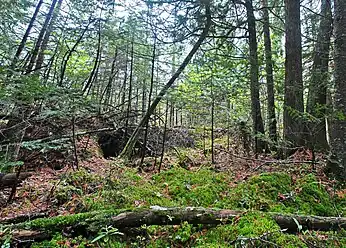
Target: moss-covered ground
{"type": "Point", "coordinates": [84, 193]}
{"type": "Point", "coordinates": [266, 192]}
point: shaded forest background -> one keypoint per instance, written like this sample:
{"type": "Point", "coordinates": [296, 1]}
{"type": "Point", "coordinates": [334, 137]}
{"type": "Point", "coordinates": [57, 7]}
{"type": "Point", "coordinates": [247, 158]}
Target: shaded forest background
{"type": "Point", "coordinates": [120, 65]}
{"type": "Point", "coordinates": [261, 81]}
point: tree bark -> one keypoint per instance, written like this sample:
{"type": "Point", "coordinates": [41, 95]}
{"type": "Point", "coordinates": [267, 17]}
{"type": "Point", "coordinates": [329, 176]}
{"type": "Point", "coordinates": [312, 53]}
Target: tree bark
{"type": "Point", "coordinates": [212, 136]}
{"type": "Point", "coordinates": [171, 216]}
{"type": "Point", "coordinates": [129, 97]}
{"type": "Point", "coordinates": [40, 57]}
{"type": "Point", "coordinates": [338, 134]}
{"type": "Point", "coordinates": [68, 54]}
{"type": "Point", "coordinates": [269, 76]}
{"type": "Point", "coordinates": [146, 129]}
{"type": "Point", "coordinates": [317, 97]}
{"type": "Point", "coordinates": [293, 102]}
{"type": "Point", "coordinates": [92, 76]}
{"type": "Point", "coordinates": [126, 153]}
{"type": "Point", "coordinates": [38, 44]}
{"type": "Point", "coordinates": [26, 35]}
{"type": "Point", "coordinates": [164, 136]}
{"type": "Point", "coordinates": [258, 127]}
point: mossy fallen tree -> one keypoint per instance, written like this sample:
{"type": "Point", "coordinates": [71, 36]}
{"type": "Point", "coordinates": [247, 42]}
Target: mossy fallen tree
{"type": "Point", "coordinates": [90, 223]}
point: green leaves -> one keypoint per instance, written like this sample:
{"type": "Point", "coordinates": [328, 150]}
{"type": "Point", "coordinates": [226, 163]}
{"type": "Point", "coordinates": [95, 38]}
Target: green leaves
{"type": "Point", "coordinates": [106, 233]}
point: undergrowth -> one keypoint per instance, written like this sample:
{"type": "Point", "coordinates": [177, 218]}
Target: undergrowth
{"type": "Point", "coordinates": [268, 192]}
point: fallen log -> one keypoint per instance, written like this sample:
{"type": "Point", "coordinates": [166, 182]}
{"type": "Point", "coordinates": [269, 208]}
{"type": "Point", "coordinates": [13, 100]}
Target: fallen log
{"type": "Point", "coordinates": [9, 179]}
{"type": "Point", "coordinates": [23, 217]}
{"type": "Point", "coordinates": [175, 216]}
{"type": "Point", "coordinates": [92, 222]}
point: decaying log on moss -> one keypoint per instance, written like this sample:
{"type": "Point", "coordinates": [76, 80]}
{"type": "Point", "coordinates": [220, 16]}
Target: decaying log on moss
{"type": "Point", "coordinates": [175, 216]}
{"type": "Point", "coordinates": [23, 218]}
{"type": "Point", "coordinates": [92, 222]}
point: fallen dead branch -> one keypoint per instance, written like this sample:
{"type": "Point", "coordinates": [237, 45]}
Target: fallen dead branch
{"type": "Point", "coordinates": [91, 222]}
{"type": "Point", "coordinates": [23, 218]}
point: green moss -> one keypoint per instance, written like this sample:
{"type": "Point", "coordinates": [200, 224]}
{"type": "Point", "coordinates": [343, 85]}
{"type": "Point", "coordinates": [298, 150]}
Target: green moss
{"type": "Point", "coordinates": [54, 224]}
{"type": "Point", "coordinates": [288, 240]}
{"type": "Point", "coordinates": [255, 224]}
{"type": "Point", "coordinates": [80, 177]}
{"type": "Point", "coordinates": [275, 192]}
{"type": "Point", "coordinates": [187, 188]}
{"type": "Point", "coordinates": [58, 241]}
{"type": "Point", "coordinates": [250, 225]}
{"type": "Point", "coordinates": [308, 197]}
{"type": "Point", "coordinates": [313, 198]}
{"type": "Point", "coordinates": [65, 193]}
{"type": "Point", "coordinates": [259, 193]}
{"type": "Point", "coordinates": [78, 183]}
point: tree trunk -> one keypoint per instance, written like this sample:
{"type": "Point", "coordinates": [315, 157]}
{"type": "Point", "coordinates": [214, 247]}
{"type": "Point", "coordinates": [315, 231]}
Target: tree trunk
{"type": "Point", "coordinates": [258, 127]}
{"type": "Point", "coordinates": [269, 76]}
{"type": "Point", "coordinates": [164, 136]}
{"type": "Point", "coordinates": [126, 153]}
{"type": "Point", "coordinates": [123, 91]}
{"type": "Point", "coordinates": [317, 96]}
{"type": "Point", "coordinates": [144, 89]}
{"type": "Point", "coordinates": [40, 37]}
{"type": "Point", "coordinates": [40, 57]}
{"type": "Point", "coordinates": [91, 222]}
{"type": "Point", "coordinates": [26, 35]}
{"type": "Point", "coordinates": [145, 139]}
{"type": "Point", "coordinates": [91, 78]}
{"type": "Point", "coordinates": [293, 102]}
{"type": "Point", "coordinates": [106, 94]}
{"type": "Point", "coordinates": [212, 122]}
{"type": "Point", "coordinates": [129, 97]}
{"type": "Point", "coordinates": [68, 54]}
{"type": "Point", "coordinates": [338, 134]}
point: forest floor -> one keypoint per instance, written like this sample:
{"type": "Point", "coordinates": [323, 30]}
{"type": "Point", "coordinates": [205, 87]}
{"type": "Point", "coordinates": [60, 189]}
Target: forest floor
{"type": "Point", "coordinates": [187, 178]}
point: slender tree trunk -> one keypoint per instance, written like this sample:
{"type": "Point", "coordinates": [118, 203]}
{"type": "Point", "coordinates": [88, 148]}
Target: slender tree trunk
{"type": "Point", "coordinates": [258, 127]}
{"type": "Point", "coordinates": [212, 123]}
{"type": "Point", "coordinates": [164, 136]}
{"type": "Point", "coordinates": [126, 153]}
{"type": "Point", "coordinates": [338, 134]}
{"type": "Point", "coordinates": [96, 62]}
{"type": "Point", "coordinates": [293, 102]}
{"type": "Point", "coordinates": [171, 115]}
{"type": "Point", "coordinates": [317, 97]}
{"type": "Point", "coordinates": [125, 81]}
{"type": "Point", "coordinates": [228, 124]}
{"type": "Point", "coordinates": [68, 54]}
{"type": "Point", "coordinates": [40, 57]}
{"type": "Point", "coordinates": [26, 35]}
{"type": "Point", "coordinates": [106, 95]}
{"type": "Point", "coordinates": [269, 75]}
{"type": "Point", "coordinates": [136, 105]}
{"type": "Point", "coordinates": [152, 76]}
{"type": "Point", "coordinates": [40, 37]}
{"type": "Point", "coordinates": [144, 88]}
{"type": "Point", "coordinates": [129, 92]}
